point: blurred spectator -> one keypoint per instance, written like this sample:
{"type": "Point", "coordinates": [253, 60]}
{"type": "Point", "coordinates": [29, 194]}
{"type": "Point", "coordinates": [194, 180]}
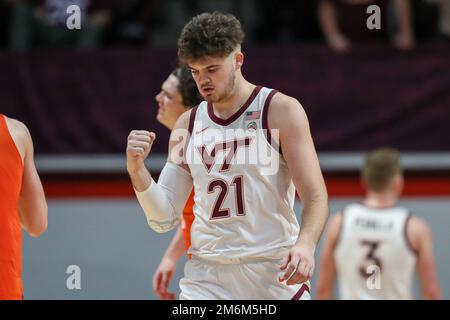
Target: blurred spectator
{"type": "Point", "coordinates": [343, 21]}
{"type": "Point", "coordinates": [174, 14]}
{"type": "Point", "coordinates": [444, 17]}
{"type": "Point", "coordinates": [26, 24]}
{"type": "Point", "coordinates": [425, 20]}
{"type": "Point", "coordinates": [171, 15]}
{"type": "Point", "coordinates": [4, 17]}
{"type": "Point", "coordinates": [245, 11]}
{"type": "Point", "coordinates": [134, 21]}
{"type": "Point", "coordinates": [285, 21]}
{"type": "Point", "coordinates": [42, 23]}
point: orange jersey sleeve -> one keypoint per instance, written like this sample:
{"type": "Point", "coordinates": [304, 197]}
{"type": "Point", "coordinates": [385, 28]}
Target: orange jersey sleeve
{"type": "Point", "coordinates": [187, 220]}
{"type": "Point", "coordinates": [11, 169]}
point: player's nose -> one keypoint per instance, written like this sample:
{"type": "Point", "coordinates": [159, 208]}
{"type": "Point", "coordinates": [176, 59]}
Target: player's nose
{"type": "Point", "coordinates": [158, 98]}
{"type": "Point", "coordinates": [205, 80]}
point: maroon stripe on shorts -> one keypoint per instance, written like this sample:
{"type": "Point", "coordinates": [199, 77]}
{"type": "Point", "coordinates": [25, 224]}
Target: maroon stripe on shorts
{"type": "Point", "coordinates": [300, 292]}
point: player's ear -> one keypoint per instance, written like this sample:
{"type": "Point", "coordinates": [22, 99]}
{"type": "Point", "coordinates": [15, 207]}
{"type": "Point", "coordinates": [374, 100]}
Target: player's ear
{"type": "Point", "coordinates": [364, 184]}
{"type": "Point", "coordinates": [239, 58]}
{"type": "Point", "coordinates": [399, 183]}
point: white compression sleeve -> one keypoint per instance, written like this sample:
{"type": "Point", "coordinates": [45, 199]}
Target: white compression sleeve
{"type": "Point", "coordinates": [163, 202]}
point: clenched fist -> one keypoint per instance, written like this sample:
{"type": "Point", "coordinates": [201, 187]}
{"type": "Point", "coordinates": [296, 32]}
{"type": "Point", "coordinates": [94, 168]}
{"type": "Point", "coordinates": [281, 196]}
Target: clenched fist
{"type": "Point", "coordinates": [138, 147]}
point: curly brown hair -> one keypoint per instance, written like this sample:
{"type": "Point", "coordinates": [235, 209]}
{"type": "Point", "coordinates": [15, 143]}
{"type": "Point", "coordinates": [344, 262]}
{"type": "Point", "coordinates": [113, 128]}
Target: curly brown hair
{"type": "Point", "coordinates": [209, 35]}
{"type": "Point", "coordinates": [187, 87]}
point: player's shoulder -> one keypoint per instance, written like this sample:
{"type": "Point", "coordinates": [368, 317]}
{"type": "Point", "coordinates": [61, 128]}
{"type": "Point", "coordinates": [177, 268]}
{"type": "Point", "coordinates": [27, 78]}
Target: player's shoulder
{"type": "Point", "coordinates": [417, 225]}
{"type": "Point", "coordinates": [334, 228]}
{"type": "Point", "coordinates": [335, 220]}
{"type": "Point", "coordinates": [283, 102]}
{"type": "Point", "coordinates": [17, 129]}
{"type": "Point", "coordinates": [20, 135]}
{"type": "Point", "coordinates": [417, 232]}
{"type": "Point", "coordinates": [16, 125]}
{"type": "Point", "coordinates": [285, 110]}
{"type": "Point", "coordinates": [349, 212]}
{"type": "Point", "coordinates": [184, 121]}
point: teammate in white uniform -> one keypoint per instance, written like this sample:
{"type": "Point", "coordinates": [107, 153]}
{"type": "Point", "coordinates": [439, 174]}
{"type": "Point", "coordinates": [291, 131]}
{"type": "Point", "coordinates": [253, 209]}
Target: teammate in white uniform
{"type": "Point", "coordinates": [246, 241]}
{"type": "Point", "coordinates": [374, 247]}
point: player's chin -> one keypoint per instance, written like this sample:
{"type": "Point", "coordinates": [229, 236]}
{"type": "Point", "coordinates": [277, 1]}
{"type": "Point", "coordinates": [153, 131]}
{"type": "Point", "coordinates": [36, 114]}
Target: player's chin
{"type": "Point", "coordinates": [161, 118]}
{"type": "Point", "coordinates": [210, 98]}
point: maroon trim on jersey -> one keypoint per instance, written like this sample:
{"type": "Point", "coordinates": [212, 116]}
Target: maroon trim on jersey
{"type": "Point", "coordinates": [237, 114]}
{"type": "Point", "coordinates": [190, 130]}
{"type": "Point", "coordinates": [405, 233]}
{"type": "Point", "coordinates": [192, 119]}
{"type": "Point", "coordinates": [300, 292]}
{"type": "Point", "coordinates": [265, 122]}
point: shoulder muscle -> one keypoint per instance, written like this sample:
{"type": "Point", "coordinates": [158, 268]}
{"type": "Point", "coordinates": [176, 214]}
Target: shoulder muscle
{"type": "Point", "coordinates": [20, 135]}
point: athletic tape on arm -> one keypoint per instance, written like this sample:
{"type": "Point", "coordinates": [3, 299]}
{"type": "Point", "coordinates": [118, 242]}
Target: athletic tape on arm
{"type": "Point", "coordinates": [163, 202]}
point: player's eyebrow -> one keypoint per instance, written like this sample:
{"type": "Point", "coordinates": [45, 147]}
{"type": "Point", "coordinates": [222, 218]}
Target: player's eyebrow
{"type": "Point", "coordinates": [207, 67]}
{"type": "Point", "coordinates": [166, 92]}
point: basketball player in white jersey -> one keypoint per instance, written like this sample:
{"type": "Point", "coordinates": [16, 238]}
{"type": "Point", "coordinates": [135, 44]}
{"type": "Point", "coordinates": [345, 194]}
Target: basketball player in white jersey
{"type": "Point", "coordinates": [246, 242]}
{"type": "Point", "coordinates": [374, 247]}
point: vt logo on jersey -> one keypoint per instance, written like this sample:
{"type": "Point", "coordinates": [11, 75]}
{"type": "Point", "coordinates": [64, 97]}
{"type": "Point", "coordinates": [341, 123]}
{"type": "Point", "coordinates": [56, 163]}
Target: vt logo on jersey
{"type": "Point", "coordinates": [230, 146]}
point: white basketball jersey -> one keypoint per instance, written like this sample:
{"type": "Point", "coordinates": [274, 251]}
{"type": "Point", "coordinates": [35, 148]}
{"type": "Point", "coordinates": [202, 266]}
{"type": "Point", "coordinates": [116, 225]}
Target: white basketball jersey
{"type": "Point", "coordinates": [373, 257]}
{"type": "Point", "coordinates": [244, 194]}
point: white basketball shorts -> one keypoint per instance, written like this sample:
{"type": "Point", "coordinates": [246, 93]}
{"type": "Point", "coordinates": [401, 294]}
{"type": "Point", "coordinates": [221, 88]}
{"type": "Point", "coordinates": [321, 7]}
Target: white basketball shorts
{"type": "Point", "coordinates": [205, 280]}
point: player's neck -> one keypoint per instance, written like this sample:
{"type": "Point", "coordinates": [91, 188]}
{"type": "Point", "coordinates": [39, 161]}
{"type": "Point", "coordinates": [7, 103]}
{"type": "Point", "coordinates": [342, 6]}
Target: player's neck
{"type": "Point", "coordinates": [380, 200]}
{"type": "Point", "coordinates": [241, 92]}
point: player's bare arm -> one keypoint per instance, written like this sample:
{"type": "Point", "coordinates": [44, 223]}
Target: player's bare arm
{"type": "Point", "coordinates": [327, 268]}
{"type": "Point", "coordinates": [421, 239]}
{"type": "Point", "coordinates": [167, 267]}
{"type": "Point", "coordinates": [287, 115]}
{"type": "Point", "coordinates": [32, 205]}
{"type": "Point", "coordinates": [329, 22]}
{"type": "Point", "coordinates": [404, 39]}
{"type": "Point", "coordinates": [163, 201]}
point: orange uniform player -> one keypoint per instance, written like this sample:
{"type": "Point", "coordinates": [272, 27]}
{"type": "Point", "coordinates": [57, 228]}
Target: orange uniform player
{"type": "Point", "coordinates": [22, 203]}
{"type": "Point", "coordinates": [186, 222]}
